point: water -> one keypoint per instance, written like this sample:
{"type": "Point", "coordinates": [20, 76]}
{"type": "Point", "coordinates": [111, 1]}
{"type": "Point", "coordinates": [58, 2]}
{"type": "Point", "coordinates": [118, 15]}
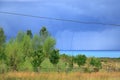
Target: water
{"type": "Point", "coordinates": [111, 54]}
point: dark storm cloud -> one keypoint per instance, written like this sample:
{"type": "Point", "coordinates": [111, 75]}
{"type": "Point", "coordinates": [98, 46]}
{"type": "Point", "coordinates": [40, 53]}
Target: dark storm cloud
{"type": "Point", "coordinates": [92, 36]}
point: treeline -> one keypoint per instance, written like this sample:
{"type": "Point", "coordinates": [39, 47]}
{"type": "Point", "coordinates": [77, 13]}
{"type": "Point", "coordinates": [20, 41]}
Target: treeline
{"type": "Point", "coordinates": [86, 64]}
{"type": "Point", "coordinates": [28, 51]}
{"type": "Point", "coordinates": [27, 48]}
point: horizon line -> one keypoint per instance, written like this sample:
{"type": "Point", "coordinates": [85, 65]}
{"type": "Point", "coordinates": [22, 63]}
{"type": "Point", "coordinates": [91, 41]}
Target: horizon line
{"type": "Point", "coordinates": [87, 50]}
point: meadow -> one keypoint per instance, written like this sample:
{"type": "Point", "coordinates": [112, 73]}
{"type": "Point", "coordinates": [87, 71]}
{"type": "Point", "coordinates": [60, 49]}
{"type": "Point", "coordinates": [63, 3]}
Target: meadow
{"type": "Point", "coordinates": [60, 76]}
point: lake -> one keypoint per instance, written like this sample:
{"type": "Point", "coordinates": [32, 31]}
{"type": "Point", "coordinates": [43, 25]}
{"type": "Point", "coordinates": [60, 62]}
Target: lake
{"type": "Point", "coordinates": [91, 53]}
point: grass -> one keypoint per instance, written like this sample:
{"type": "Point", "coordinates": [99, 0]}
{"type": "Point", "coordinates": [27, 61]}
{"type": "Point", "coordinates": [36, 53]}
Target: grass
{"type": "Point", "coordinates": [48, 74]}
{"type": "Point", "coordinates": [60, 76]}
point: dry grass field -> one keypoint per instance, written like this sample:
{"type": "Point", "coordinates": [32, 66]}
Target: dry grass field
{"type": "Point", "coordinates": [60, 76]}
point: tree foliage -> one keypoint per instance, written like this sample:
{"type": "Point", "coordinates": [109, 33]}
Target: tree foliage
{"type": "Point", "coordinates": [14, 55]}
{"type": "Point", "coordinates": [2, 42]}
{"type": "Point", "coordinates": [54, 57]}
{"type": "Point", "coordinates": [65, 57]}
{"type": "Point", "coordinates": [37, 59]}
{"type": "Point", "coordinates": [2, 37]}
{"type": "Point", "coordinates": [26, 46]}
{"type": "Point", "coordinates": [27, 51]}
{"type": "Point", "coordinates": [36, 42]}
{"type": "Point", "coordinates": [48, 46]}
{"type": "Point", "coordinates": [44, 32]}
{"type": "Point", "coordinates": [95, 62]}
{"type": "Point", "coordinates": [81, 59]}
{"type": "Point", "coordinates": [29, 33]}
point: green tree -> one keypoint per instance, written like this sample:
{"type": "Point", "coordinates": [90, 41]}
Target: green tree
{"type": "Point", "coordinates": [95, 62]}
{"type": "Point", "coordinates": [44, 32]}
{"type": "Point", "coordinates": [2, 44]}
{"type": "Point", "coordinates": [26, 46]}
{"type": "Point", "coordinates": [2, 51]}
{"type": "Point", "coordinates": [2, 37]}
{"type": "Point", "coordinates": [37, 59]}
{"type": "Point", "coordinates": [65, 57]}
{"type": "Point", "coordinates": [36, 42]}
{"type": "Point", "coordinates": [29, 33]}
{"type": "Point", "coordinates": [37, 56]}
{"type": "Point", "coordinates": [20, 36]}
{"type": "Point", "coordinates": [47, 42]}
{"type": "Point", "coordinates": [71, 61]}
{"type": "Point", "coordinates": [48, 46]}
{"type": "Point", "coordinates": [14, 55]}
{"type": "Point", "coordinates": [54, 57]}
{"type": "Point", "coordinates": [18, 50]}
{"type": "Point", "coordinates": [81, 59]}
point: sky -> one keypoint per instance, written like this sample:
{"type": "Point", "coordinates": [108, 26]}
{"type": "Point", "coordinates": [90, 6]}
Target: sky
{"type": "Point", "coordinates": [69, 35]}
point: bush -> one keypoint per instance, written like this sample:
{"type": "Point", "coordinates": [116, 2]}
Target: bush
{"type": "Point", "coordinates": [3, 68]}
{"type": "Point", "coordinates": [96, 63]}
{"type": "Point", "coordinates": [81, 59]}
{"type": "Point", "coordinates": [26, 66]}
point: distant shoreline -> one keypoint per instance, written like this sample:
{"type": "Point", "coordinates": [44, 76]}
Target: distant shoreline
{"type": "Point", "coordinates": [89, 50]}
{"type": "Point", "coordinates": [95, 53]}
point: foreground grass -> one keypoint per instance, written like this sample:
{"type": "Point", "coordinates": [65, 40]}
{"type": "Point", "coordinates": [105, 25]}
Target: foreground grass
{"type": "Point", "coordinates": [60, 76]}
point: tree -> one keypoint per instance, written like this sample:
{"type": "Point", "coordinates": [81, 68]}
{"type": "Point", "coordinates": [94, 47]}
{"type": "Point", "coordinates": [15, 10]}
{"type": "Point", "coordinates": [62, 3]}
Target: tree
{"type": "Point", "coordinates": [71, 61]}
{"type": "Point", "coordinates": [47, 42]}
{"type": "Point", "coordinates": [65, 57]}
{"type": "Point", "coordinates": [36, 42]}
{"type": "Point", "coordinates": [20, 36]}
{"type": "Point", "coordinates": [14, 55]}
{"type": "Point", "coordinates": [2, 42]}
{"type": "Point", "coordinates": [2, 37]}
{"type": "Point", "coordinates": [37, 59]}
{"type": "Point", "coordinates": [48, 46]}
{"type": "Point", "coordinates": [37, 55]}
{"type": "Point", "coordinates": [18, 50]}
{"type": "Point", "coordinates": [24, 43]}
{"type": "Point", "coordinates": [54, 57]}
{"type": "Point", "coordinates": [81, 59]}
{"type": "Point", "coordinates": [43, 34]}
{"type": "Point", "coordinates": [26, 46]}
{"type": "Point", "coordinates": [29, 33]}
{"type": "Point", "coordinates": [95, 62]}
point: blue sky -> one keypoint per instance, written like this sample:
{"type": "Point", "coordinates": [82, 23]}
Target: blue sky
{"type": "Point", "coordinates": [69, 35]}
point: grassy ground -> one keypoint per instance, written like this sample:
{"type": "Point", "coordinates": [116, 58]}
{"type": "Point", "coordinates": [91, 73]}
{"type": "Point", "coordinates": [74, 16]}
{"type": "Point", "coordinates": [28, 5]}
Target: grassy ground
{"type": "Point", "coordinates": [60, 76]}
{"type": "Point", "coordinates": [48, 74]}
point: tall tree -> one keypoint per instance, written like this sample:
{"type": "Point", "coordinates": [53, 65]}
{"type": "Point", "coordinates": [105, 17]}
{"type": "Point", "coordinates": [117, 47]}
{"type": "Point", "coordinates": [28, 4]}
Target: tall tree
{"type": "Point", "coordinates": [24, 43]}
{"type": "Point", "coordinates": [2, 42]}
{"type": "Point", "coordinates": [37, 59]}
{"type": "Point", "coordinates": [29, 33]}
{"type": "Point", "coordinates": [26, 46]}
{"type": "Point", "coordinates": [43, 34]}
{"type": "Point", "coordinates": [18, 50]}
{"type": "Point", "coordinates": [47, 42]}
{"type": "Point", "coordinates": [2, 37]}
{"type": "Point", "coordinates": [20, 36]}
{"type": "Point", "coordinates": [14, 54]}
{"type": "Point", "coordinates": [36, 42]}
{"type": "Point", "coordinates": [48, 46]}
